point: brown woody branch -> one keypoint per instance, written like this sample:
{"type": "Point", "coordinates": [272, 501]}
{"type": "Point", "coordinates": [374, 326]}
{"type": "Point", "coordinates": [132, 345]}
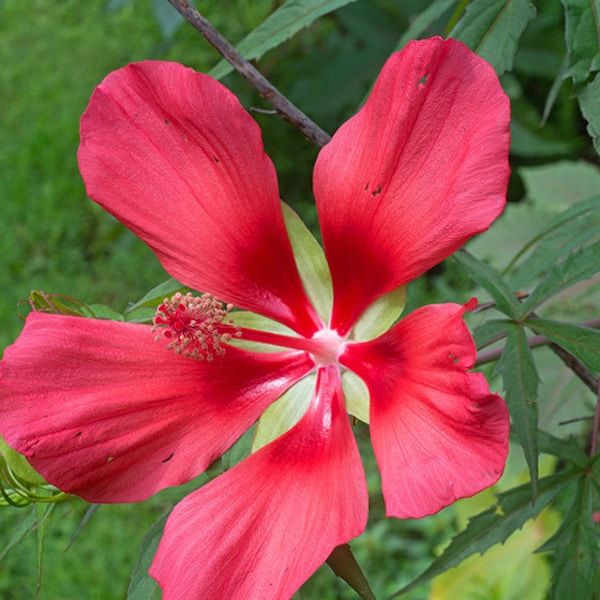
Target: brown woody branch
{"type": "Point", "coordinates": [288, 111]}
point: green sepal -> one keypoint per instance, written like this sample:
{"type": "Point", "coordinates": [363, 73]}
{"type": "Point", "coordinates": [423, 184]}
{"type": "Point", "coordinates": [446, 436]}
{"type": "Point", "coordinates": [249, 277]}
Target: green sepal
{"type": "Point", "coordinates": [285, 412]}
{"type": "Point", "coordinates": [356, 396]}
{"type": "Point", "coordinates": [380, 315]}
{"type": "Point", "coordinates": [311, 262]}
{"type": "Point", "coordinates": [19, 465]}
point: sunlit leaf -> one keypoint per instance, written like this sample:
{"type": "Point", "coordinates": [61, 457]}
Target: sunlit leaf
{"type": "Point", "coordinates": [492, 29]}
{"type": "Point", "coordinates": [520, 379]}
{"type": "Point", "coordinates": [582, 342]}
{"type": "Point", "coordinates": [582, 37]}
{"type": "Point", "coordinates": [495, 525]}
{"type": "Point", "coordinates": [280, 26]}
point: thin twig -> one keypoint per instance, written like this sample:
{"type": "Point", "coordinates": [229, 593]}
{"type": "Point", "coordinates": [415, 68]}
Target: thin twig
{"type": "Point", "coordinates": [288, 111]}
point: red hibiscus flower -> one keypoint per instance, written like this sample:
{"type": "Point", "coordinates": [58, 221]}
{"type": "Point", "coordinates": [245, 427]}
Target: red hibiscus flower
{"type": "Point", "coordinates": [115, 411]}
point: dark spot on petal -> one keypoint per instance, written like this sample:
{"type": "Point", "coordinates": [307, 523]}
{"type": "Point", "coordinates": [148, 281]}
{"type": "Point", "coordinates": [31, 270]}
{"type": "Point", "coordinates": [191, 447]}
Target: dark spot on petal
{"type": "Point", "coordinates": [78, 434]}
{"type": "Point", "coordinates": [165, 460]}
{"type": "Point", "coordinates": [215, 158]}
{"type": "Point", "coordinates": [376, 191]}
{"type": "Point", "coordinates": [166, 121]}
{"type": "Point", "coordinates": [423, 81]}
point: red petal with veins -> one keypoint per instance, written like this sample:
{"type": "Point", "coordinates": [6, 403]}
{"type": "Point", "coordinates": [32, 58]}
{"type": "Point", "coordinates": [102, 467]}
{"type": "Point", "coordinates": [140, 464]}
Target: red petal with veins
{"type": "Point", "coordinates": [173, 155]}
{"type": "Point", "coordinates": [438, 432]}
{"type": "Point", "coordinates": [104, 412]}
{"type": "Point", "coordinates": [420, 169]}
{"type": "Point", "coordinates": [260, 530]}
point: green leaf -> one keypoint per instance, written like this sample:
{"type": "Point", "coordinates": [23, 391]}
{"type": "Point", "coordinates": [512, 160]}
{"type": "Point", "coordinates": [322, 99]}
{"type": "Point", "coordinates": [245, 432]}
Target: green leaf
{"type": "Point", "coordinates": [589, 102]}
{"type": "Point", "coordinates": [344, 565]}
{"type": "Point", "coordinates": [141, 585]}
{"type": "Point", "coordinates": [24, 526]}
{"type": "Point", "coordinates": [145, 308]}
{"type": "Point", "coordinates": [490, 331]}
{"type": "Point", "coordinates": [424, 20]}
{"type": "Point", "coordinates": [576, 546]}
{"type": "Point", "coordinates": [582, 35]}
{"type": "Point", "coordinates": [572, 228]}
{"type": "Point", "coordinates": [520, 379]}
{"type": "Point", "coordinates": [495, 525]}
{"type": "Point", "coordinates": [568, 450]}
{"type": "Point", "coordinates": [281, 25]}
{"type": "Point", "coordinates": [582, 342]}
{"type": "Point", "coordinates": [101, 311]}
{"type": "Point", "coordinates": [578, 266]}
{"type": "Point", "coordinates": [492, 29]}
{"type": "Point", "coordinates": [489, 279]}
{"type": "Point", "coordinates": [43, 519]}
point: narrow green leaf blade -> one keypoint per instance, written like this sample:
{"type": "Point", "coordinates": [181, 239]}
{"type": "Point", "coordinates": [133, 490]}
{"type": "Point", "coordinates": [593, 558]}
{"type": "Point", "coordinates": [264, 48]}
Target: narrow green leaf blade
{"type": "Point", "coordinates": [576, 226]}
{"type": "Point", "coordinates": [141, 585]}
{"type": "Point", "coordinates": [423, 21]}
{"type": "Point", "coordinates": [582, 342]}
{"type": "Point", "coordinates": [489, 279]}
{"type": "Point", "coordinates": [520, 379]}
{"type": "Point", "coordinates": [492, 29]}
{"type": "Point", "coordinates": [494, 525]}
{"type": "Point", "coordinates": [576, 546]}
{"type": "Point", "coordinates": [589, 102]}
{"type": "Point", "coordinates": [344, 565]}
{"type": "Point", "coordinates": [582, 35]}
{"type": "Point", "coordinates": [280, 26]}
{"type": "Point", "coordinates": [577, 266]}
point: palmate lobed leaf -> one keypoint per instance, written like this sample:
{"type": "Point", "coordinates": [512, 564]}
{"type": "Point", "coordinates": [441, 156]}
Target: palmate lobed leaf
{"type": "Point", "coordinates": [576, 544]}
{"type": "Point", "coordinates": [582, 38]}
{"type": "Point", "coordinates": [521, 380]}
{"type": "Point", "coordinates": [581, 342]}
{"type": "Point", "coordinates": [492, 29]}
{"type": "Point", "coordinates": [280, 26]}
{"type": "Point", "coordinates": [496, 524]}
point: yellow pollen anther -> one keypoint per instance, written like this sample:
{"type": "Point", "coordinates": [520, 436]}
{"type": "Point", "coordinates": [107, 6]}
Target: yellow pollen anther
{"type": "Point", "coordinates": [193, 325]}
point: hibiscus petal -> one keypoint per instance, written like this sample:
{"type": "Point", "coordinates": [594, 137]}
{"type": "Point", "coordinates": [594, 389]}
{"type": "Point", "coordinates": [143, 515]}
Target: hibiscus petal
{"type": "Point", "coordinates": [438, 432]}
{"type": "Point", "coordinates": [174, 156]}
{"type": "Point", "coordinates": [420, 169]}
{"type": "Point", "coordinates": [261, 529]}
{"type": "Point", "coordinates": [104, 412]}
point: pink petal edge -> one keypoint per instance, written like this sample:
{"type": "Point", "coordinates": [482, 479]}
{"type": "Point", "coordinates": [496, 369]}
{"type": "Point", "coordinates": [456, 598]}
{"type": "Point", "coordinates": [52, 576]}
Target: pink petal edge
{"type": "Point", "coordinates": [438, 433]}
{"type": "Point", "coordinates": [258, 531]}
{"type": "Point", "coordinates": [419, 170]}
{"type": "Point", "coordinates": [173, 155]}
{"type": "Point", "coordinates": [104, 412]}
